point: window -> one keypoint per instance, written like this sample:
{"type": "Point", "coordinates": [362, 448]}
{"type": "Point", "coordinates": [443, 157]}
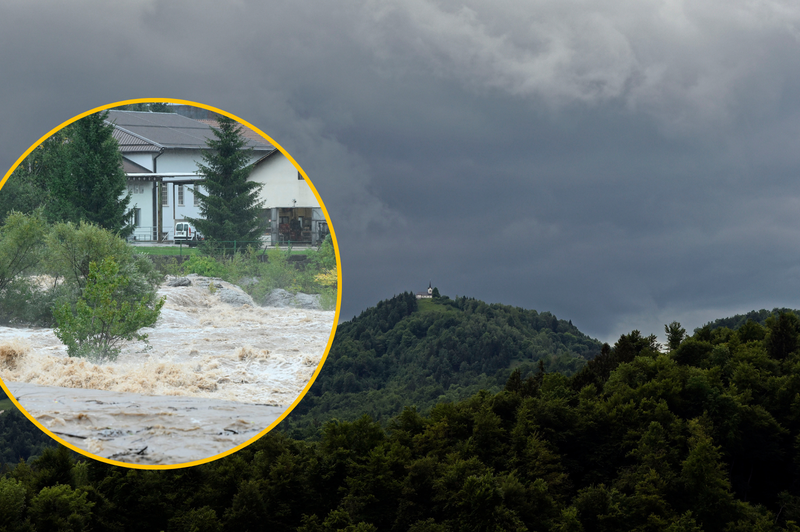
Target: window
{"type": "Point", "coordinates": [195, 192]}
{"type": "Point", "coordinates": [164, 195]}
{"type": "Point", "coordinates": [180, 195]}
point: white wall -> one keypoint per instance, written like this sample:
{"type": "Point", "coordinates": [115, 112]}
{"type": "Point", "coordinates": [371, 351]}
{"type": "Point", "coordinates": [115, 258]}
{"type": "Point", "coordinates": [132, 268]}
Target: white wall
{"type": "Point", "coordinates": [281, 186]}
{"type": "Point", "coordinates": [184, 161]}
{"type": "Point", "coordinates": [142, 198]}
{"type": "Point", "coordinates": [178, 161]}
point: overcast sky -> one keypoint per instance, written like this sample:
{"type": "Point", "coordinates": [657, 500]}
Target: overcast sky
{"type": "Point", "coordinates": [620, 163]}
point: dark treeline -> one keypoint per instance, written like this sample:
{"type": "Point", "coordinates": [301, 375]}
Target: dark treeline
{"type": "Point", "coordinates": [406, 352]}
{"type": "Point", "coordinates": [757, 316]}
{"type": "Point", "coordinates": [19, 438]}
{"type": "Point", "coordinates": [703, 438]}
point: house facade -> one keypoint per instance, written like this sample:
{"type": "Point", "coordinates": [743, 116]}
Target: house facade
{"type": "Point", "coordinates": [290, 206]}
{"type": "Point", "coordinates": [160, 155]}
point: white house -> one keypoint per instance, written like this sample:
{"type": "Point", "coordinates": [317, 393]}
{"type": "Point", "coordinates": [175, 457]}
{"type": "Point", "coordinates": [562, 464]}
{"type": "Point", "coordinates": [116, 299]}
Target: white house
{"type": "Point", "coordinates": [293, 211]}
{"type": "Point", "coordinates": [160, 152]}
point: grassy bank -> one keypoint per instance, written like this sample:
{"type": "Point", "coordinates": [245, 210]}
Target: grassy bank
{"type": "Point", "coordinates": [188, 251]}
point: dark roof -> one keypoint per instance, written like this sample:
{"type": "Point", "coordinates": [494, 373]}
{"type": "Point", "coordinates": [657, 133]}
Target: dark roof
{"type": "Point", "coordinates": [129, 143]}
{"type": "Point", "coordinates": [138, 131]}
{"type": "Point", "coordinates": [246, 132]}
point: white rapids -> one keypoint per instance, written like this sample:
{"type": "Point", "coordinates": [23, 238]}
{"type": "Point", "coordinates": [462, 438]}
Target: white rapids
{"type": "Point", "coordinates": [241, 366]}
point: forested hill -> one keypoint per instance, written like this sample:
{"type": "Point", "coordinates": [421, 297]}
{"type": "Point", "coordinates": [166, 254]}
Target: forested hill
{"type": "Point", "coordinates": [758, 316]}
{"type": "Point", "coordinates": [705, 437]}
{"type": "Point", "coordinates": [406, 352]}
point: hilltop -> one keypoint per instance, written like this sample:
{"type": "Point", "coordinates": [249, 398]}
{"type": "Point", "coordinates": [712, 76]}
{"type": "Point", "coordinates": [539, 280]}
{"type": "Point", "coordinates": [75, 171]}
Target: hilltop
{"type": "Point", "coordinates": [406, 351]}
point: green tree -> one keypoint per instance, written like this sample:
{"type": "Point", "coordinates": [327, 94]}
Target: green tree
{"type": "Point", "coordinates": [102, 320]}
{"type": "Point", "coordinates": [21, 237]}
{"type": "Point", "coordinates": [706, 486]}
{"type": "Point", "coordinates": [28, 187]}
{"type": "Point", "coordinates": [782, 336]}
{"type": "Point", "coordinates": [196, 520]}
{"type": "Point", "coordinates": [675, 335]}
{"type": "Point", "coordinates": [12, 504]}
{"type": "Point", "coordinates": [86, 180]}
{"type": "Point", "coordinates": [229, 206]}
{"type": "Point", "coordinates": [60, 508]}
{"type": "Point", "coordinates": [20, 193]}
{"type": "Point", "coordinates": [72, 248]}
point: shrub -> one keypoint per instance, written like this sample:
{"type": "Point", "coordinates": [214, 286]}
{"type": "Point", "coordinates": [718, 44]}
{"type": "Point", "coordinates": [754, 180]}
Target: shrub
{"type": "Point", "coordinates": [25, 302]}
{"type": "Point", "coordinates": [102, 318]}
{"type": "Point", "coordinates": [277, 273]}
{"type": "Point", "coordinates": [72, 248]}
{"type": "Point", "coordinates": [204, 265]}
{"type": "Point", "coordinates": [20, 242]}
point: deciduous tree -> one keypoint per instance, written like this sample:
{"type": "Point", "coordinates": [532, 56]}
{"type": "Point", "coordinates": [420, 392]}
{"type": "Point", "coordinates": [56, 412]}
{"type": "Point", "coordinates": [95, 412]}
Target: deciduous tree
{"type": "Point", "coordinates": [102, 318]}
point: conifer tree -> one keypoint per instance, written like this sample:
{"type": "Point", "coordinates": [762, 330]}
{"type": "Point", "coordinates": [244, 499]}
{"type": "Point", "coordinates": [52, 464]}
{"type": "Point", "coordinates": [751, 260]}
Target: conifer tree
{"type": "Point", "coordinates": [87, 181]}
{"type": "Point", "coordinates": [229, 206]}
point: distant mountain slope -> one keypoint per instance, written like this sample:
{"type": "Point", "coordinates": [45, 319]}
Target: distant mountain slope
{"type": "Point", "coordinates": [758, 316]}
{"type": "Point", "coordinates": [406, 351]}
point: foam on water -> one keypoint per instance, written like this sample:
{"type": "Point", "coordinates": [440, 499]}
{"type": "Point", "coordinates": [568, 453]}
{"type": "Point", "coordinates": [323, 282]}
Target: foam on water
{"type": "Point", "coordinates": [200, 347]}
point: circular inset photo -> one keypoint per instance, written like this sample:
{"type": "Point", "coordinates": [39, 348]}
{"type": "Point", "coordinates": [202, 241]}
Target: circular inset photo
{"type": "Point", "coordinates": [169, 283]}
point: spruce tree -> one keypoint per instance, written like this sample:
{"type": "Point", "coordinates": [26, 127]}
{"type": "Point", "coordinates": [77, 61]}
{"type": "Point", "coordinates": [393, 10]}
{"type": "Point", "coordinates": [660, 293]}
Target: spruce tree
{"type": "Point", "coordinates": [229, 206]}
{"type": "Point", "coordinates": [87, 181]}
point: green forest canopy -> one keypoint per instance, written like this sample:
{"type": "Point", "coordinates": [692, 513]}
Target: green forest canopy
{"type": "Point", "coordinates": [702, 438]}
{"type": "Point", "coordinates": [405, 352]}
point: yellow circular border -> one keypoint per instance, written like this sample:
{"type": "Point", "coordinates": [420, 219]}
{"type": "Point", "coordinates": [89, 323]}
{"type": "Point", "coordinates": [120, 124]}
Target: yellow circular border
{"type": "Point", "coordinates": [338, 289]}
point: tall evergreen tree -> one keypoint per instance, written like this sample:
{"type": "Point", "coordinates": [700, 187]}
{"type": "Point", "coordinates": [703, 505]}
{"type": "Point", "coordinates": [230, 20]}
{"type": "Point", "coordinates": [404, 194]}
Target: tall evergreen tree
{"type": "Point", "coordinates": [229, 205]}
{"type": "Point", "coordinates": [88, 182]}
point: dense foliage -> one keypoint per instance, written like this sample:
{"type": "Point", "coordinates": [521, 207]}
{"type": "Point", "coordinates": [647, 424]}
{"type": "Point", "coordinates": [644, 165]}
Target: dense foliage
{"type": "Point", "coordinates": [229, 203]}
{"type": "Point", "coordinates": [757, 316]}
{"type": "Point", "coordinates": [75, 175]}
{"type": "Point", "coordinates": [702, 438]}
{"type": "Point", "coordinates": [21, 237]}
{"type": "Point", "coordinates": [103, 317]}
{"type": "Point", "coordinates": [19, 438]}
{"type": "Point", "coordinates": [83, 278]}
{"type": "Point", "coordinates": [407, 352]}
{"type": "Point", "coordinates": [259, 272]}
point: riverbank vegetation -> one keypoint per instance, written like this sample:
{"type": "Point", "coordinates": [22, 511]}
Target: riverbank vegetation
{"type": "Point", "coordinates": [97, 290]}
{"type": "Point", "coordinates": [258, 271]}
{"type": "Point", "coordinates": [82, 279]}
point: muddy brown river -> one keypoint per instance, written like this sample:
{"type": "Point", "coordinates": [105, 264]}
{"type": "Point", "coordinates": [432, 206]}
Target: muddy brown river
{"type": "Point", "coordinates": [211, 377]}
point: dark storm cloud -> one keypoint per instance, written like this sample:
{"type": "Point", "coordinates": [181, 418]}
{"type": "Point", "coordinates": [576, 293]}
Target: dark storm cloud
{"type": "Point", "coordinates": [622, 163]}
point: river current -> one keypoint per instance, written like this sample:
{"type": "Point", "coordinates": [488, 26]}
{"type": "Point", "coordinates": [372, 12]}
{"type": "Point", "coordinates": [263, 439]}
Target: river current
{"type": "Point", "coordinates": [211, 376]}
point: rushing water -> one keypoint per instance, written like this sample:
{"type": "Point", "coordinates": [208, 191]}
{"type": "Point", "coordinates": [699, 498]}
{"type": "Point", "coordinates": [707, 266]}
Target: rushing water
{"type": "Point", "coordinates": [211, 377]}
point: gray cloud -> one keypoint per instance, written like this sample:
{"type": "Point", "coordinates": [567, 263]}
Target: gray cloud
{"type": "Point", "coordinates": [620, 163]}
